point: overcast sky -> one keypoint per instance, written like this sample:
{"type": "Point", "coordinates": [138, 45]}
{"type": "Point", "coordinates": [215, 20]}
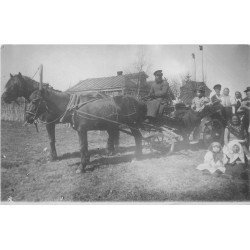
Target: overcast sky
{"type": "Point", "coordinates": [66, 65]}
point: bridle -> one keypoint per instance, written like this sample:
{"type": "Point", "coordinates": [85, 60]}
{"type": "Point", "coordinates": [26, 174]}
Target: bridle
{"type": "Point", "coordinates": [35, 114]}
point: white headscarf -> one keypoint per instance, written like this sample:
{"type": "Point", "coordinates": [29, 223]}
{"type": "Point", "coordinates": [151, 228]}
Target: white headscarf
{"type": "Point", "coordinates": [228, 151]}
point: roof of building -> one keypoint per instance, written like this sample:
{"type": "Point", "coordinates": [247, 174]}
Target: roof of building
{"type": "Point", "coordinates": [112, 82]}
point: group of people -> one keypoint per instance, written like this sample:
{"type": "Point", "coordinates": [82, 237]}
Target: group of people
{"type": "Point", "coordinates": [227, 104]}
{"type": "Point", "coordinates": [235, 111]}
{"type": "Point", "coordinates": [233, 152]}
{"type": "Point", "coordinates": [231, 104]}
{"type": "Point", "coordinates": [161, 96]}
{"type": "Point", "coordinates": [236, 134]}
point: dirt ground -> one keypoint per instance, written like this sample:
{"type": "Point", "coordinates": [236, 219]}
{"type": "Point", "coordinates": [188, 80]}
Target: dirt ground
{"type": "Point", "coordinates": [28, 175]}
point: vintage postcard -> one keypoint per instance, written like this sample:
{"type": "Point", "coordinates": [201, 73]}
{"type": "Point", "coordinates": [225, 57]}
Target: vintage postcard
{"type": "Point", "coordinates": [125, 123]}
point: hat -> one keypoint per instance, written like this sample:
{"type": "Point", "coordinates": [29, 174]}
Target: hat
{"type": "Point", "coordinates": [217, 86]}
{"type": "Point", "coordinates": [158, 72]}
{"type": "Point", "coordinates": [247, 90]}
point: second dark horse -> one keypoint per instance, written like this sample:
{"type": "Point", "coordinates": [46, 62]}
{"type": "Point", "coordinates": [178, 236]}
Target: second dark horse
{"type": "Point", "coordinates": [100, 114]}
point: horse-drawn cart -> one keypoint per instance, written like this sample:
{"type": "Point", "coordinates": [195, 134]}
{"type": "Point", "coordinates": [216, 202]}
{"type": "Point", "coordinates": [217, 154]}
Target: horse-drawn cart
{"type": "Point", "coordinates": [112, 114]}
{"type": "Point", "coordinates": [159, 137]}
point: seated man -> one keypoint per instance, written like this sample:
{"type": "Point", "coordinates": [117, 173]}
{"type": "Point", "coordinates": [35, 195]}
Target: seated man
{"type": "Point", "coordinates": [200, 101]}
{"type": "Point", "coordinates": [198, 105]}
{"type": "Point", "coordinates": [160, 94]}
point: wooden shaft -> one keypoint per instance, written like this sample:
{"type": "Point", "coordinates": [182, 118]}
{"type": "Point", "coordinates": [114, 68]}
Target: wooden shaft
{"type": "Point", "coordinates": [41, 77]}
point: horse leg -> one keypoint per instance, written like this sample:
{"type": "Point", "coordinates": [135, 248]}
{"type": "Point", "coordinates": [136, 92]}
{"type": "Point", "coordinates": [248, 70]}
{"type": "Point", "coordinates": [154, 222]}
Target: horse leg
{"type": "Point", "coordinates": [138, 141]}
{"type": "Point", "coordinates": [116, 137]}
{"type": "Point", "coordinates": [51, 133]}
{"type": "Point", "coordinates": [185, 135]}
{"type": "Point", "coordinates": [83, 141]}
{"type": "Point", "coordinates": [111, 141]}
{"type": "Point", "coordinates": [185, 142]}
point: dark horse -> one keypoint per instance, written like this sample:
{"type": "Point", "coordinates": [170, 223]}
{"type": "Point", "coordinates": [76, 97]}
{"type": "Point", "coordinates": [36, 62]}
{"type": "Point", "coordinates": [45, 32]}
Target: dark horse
{"type": "Point", "coordinates": [100, 114]}
{"type": "Point", "coordinates": [23, 86]}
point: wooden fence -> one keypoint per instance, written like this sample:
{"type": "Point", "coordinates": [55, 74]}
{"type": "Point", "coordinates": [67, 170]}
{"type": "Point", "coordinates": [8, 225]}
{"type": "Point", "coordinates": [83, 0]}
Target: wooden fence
{"type": "Point", "coordinates": [13, 112]}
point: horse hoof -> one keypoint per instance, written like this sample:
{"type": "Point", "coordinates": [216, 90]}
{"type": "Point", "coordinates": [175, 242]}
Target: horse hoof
{"type": "Point", "coordinates": [53, 159]}
{"type": "Point", "coordinates": [110, 152]}
{"type": "Point", "coordinates": [78, 171]}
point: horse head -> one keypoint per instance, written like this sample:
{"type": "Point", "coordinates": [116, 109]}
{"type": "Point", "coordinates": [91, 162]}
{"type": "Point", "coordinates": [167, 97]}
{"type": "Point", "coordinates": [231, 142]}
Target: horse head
{"type": "Point", "coordinates": [14, 88]}
{"type": "Point", "coordinates": [37, 106]}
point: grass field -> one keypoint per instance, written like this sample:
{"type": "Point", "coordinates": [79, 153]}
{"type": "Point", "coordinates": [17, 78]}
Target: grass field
{"type": "Point", "coordinates": [27, 174]}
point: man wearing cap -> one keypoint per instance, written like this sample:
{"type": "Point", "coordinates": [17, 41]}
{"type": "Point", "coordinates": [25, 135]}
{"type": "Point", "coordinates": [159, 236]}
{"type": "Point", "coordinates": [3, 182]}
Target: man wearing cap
{"type": "Point", "coordinates": [160, 94]}
{"type": "Point", "coordinates": [247, 91]}
{"type": "Point", "coordinates": [216, 101]}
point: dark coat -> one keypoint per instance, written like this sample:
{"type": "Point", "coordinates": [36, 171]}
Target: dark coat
{"type": "Point", "coordinates": [161, 94]}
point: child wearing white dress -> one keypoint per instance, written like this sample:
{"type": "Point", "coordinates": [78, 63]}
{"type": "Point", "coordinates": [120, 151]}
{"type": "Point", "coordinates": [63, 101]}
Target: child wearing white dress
{"type": "Point", "coordinates": [214, 159]}
{"type": "Point", "coordinates": [234, 152]}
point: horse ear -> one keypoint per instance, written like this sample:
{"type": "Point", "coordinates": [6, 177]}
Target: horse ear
{"type": "Point", "coordinates": [11, 75]}
{"type": "Point", "coordinates": [19, 74]}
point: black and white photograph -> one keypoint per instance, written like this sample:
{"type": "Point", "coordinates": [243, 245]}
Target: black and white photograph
{"type": "Point", "coordinates": [125, 123]}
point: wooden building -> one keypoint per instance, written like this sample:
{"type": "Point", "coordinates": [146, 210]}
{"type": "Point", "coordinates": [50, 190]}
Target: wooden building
{"type": "Point", "coordinates": [133, 84]}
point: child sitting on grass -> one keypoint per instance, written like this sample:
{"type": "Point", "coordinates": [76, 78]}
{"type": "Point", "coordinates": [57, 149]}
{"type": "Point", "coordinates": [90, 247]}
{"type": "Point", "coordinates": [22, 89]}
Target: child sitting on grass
{"type": "Point", "coordinates": [234, 152]}
{"type": "Point", "coordinates": [214, 160]}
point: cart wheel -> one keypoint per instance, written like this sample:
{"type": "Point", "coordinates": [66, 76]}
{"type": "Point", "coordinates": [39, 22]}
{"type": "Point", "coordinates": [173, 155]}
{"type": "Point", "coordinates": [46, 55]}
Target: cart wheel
{"type": "Point", "coordinates": [213, 131]}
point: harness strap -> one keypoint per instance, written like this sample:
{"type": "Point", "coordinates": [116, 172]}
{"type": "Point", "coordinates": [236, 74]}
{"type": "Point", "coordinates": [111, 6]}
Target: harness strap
{"type": "Point", "coordinates": [102, 118]}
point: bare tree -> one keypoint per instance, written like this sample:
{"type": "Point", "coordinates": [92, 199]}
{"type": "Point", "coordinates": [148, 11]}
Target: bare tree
{"type": "Point", "coordinates": [185, 78]}
{"type": "Point", "coordinates": [140, 64]}
{"type": "Point", "coordinates": [175, 85]}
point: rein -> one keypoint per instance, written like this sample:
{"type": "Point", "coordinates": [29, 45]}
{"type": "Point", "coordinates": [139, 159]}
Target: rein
{"type": "Point", "coordinates": [41, 101]}
{"type": "Point", "coordinates": [47, 109]}
{"type": "Point", "coordinates": [102, 118]}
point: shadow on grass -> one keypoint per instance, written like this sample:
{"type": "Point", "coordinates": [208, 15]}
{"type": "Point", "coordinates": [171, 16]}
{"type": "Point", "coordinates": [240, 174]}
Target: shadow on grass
{"type": "Point", "coordinates": [143, 195]}
{"type": "Point", "coordinates": [117, 159]}
{"type": "Point", "coordinates": [100, 151]}
{"type": "Point", "coordinates": [120, 150]}
{"type": "Point", "coordinates": [9, 165]}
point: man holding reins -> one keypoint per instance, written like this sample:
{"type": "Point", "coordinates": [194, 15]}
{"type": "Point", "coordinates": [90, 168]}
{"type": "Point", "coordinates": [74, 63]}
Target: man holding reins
{"type": "Point", "coordinates": [160, 95]}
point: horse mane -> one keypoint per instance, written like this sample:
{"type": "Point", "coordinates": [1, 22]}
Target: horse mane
{"type": "Point", "coordinates": [46, 86]}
